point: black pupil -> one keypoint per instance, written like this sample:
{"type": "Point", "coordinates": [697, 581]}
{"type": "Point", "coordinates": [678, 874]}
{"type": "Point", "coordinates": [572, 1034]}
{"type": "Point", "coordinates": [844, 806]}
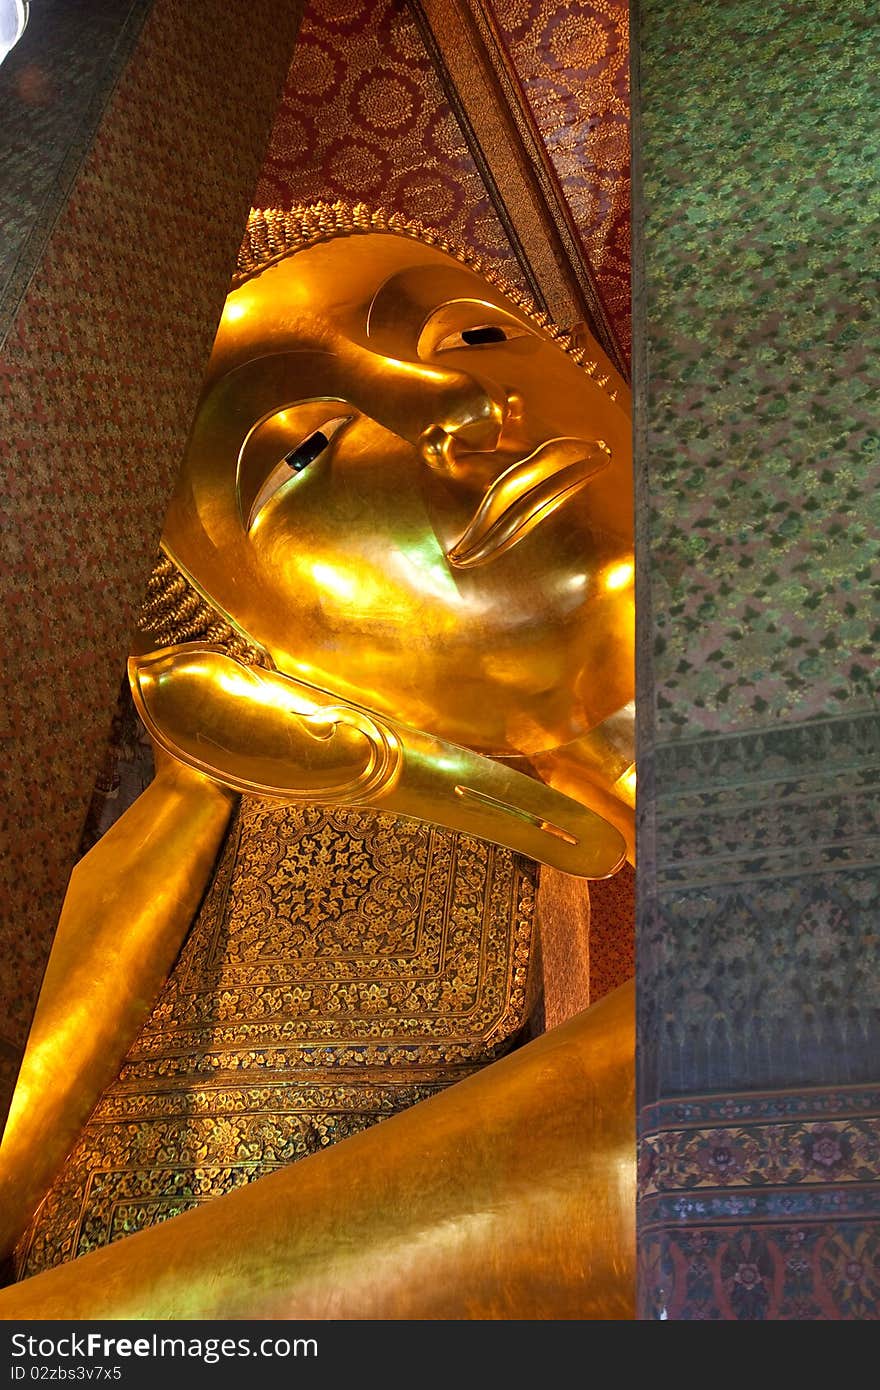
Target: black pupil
{"type": "Point", "coordinates": [306, 453]}
{"type": "Point", "coordinates": [489, 334]}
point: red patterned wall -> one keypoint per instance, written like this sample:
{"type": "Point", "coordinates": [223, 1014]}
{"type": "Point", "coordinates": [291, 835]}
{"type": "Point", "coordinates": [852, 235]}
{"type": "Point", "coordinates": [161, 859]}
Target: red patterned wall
{"type": "Point", "coordinates": [612, 954]}
{"type": "Point", "coordinates": [363, 117]}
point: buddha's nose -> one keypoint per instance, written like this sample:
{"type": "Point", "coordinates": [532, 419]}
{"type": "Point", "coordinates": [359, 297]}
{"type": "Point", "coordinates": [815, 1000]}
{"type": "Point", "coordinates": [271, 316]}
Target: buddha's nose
{"type": "Point", "coordinates": [471, 423]}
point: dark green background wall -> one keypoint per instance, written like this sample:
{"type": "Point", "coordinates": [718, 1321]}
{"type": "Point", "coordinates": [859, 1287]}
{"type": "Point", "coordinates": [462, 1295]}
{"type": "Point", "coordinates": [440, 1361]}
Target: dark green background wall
{"type": "Point", "coordinates": [758, 463]}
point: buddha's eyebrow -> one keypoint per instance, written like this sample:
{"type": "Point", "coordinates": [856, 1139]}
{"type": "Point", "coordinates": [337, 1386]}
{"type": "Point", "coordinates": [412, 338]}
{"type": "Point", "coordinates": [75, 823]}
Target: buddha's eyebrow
{"type": "Point", "coordinates": [424, 289]}
{"type": "Point", "coordinates": [383, 291]}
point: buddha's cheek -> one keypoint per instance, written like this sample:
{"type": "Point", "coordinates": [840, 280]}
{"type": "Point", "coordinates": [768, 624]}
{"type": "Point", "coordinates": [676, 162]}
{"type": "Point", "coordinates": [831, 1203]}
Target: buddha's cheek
{"type": "Point", "coordinates": [546, 684]}
{"type": "Point", "coordinates": [519, 655]}
{"type": "Point", "coordinates": [493, 678]}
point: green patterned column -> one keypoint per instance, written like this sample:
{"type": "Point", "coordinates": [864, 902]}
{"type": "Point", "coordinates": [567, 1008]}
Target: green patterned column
{"type": "Point", "coordinates": [758, 452]}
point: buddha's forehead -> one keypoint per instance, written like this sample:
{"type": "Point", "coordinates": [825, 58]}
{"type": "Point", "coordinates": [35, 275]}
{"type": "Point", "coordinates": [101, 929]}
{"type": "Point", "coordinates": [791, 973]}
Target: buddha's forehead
{"type": "Point", "coordinates": [376, 289]}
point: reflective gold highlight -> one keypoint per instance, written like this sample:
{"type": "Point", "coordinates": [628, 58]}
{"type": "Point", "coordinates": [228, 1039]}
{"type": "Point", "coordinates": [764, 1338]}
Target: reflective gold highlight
{"type": "Point", "coordinates": [260, 732]}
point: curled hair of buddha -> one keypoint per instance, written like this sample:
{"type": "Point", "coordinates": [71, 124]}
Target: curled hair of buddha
{"type": "Point", "coordinates": [174, 611]}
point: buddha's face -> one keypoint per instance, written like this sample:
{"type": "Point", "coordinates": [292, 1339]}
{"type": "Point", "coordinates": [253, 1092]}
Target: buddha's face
{"type": "Point", "coordinates": [402, 488]}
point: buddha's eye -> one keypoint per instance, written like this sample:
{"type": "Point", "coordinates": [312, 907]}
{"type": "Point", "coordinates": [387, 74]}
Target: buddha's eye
{"type": "Point", "coordinates": [305, 453]}
{"type": "Point", "coordinates": [481, 335]}
{"type": "Point", "coordinates": [296, 461]}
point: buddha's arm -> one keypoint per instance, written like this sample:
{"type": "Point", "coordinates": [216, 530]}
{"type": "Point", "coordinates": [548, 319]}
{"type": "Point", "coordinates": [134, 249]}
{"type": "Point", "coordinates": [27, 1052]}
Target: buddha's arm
{"type": "Point", "coordinates": [128, 906]}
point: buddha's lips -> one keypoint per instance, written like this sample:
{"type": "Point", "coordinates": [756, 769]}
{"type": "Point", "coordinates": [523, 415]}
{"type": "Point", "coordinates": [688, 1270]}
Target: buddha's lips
{"type": "Point", "coordinates": [524, 495]}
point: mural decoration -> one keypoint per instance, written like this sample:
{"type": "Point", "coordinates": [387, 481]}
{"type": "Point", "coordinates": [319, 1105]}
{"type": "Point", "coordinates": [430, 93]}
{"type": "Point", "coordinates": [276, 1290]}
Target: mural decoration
{"type": "Point", "coordinates": [768, 1195]}
{"type": "Point", "coordinates": [572, 63]}
{"type": "Point", "coordinates": [363, 118]}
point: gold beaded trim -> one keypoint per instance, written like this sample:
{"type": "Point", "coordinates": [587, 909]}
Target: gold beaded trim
{"type": "Point", "coordinates": [274, 233]}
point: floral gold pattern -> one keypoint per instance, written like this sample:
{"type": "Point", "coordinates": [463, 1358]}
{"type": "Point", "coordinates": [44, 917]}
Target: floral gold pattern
{"type": "Point", "coordinates": [757, 1157]}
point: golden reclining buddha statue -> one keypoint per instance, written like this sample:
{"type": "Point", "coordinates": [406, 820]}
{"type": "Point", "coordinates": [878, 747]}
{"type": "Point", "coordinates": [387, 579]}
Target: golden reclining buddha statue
{"type": "Point", "coordinates": [385, 659]}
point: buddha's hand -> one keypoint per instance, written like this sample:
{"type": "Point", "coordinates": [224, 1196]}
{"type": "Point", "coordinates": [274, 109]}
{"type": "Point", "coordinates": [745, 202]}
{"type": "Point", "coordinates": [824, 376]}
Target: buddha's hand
{"type": "Point", "coordinates": [258, 731]}
{"type": "Point", "coordinates": [261, 732]}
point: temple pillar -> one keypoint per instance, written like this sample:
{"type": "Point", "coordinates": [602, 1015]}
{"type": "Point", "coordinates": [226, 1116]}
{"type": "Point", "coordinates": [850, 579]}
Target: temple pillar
{"type": "Point", "coordinates": [137, 134]}
{"type": "Point", "coordinates": [759, 872]}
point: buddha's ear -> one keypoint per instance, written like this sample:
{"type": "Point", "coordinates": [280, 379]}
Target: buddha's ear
{"type": "Point", "coordinates": [258, 731]}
